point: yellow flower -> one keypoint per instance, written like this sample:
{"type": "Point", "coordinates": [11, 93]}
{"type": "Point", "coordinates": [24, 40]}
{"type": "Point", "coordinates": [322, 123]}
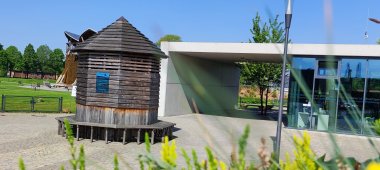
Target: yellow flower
{"type": "Point", "coordinates": [303, 155]}
{"type": "Point", "coordinates": [373, 166]}
{"type": "Point", "coordinates": [168, 152]}
{"type": "Point", "coordinates": [222, 165]}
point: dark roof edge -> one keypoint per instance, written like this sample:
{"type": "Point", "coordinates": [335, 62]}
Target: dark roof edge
{"type": "Point", "coordinates": [71, 36]}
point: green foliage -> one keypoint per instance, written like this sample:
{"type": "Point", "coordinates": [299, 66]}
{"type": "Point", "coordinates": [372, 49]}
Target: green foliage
{"type": "Point", "coordinates": [29, 59]}
{"type": "Point", "coordinates": [169, 38]}
{"type": "Point", "coordinates": [168, 152]}
{"type": "Point", "coordinates": [250, 100]}
{"type": "Point", "coordinates": [197, 165]}
{"type": "Point", "coordinates": [242, 147]}
{"type": "Point", "coordinates": [3, 63]}
{"type": "Point", "coordinates": [239, 163]}
{"type": "Point", "coordinates": [10, 86]}
{"type": "Point", "coordinates": [263, 75]}
{"type": "Point", "coordinates": [15, 58]}
{"type": "Point", "coordinates": [3, 73]}
{"type": "Point", "coordinates": [187, 159]}
{"type": "Point", "coordinates": [115, 162]}
{"type": "Point", "coordinates": [21, 164]}
{"type": "Point", "coordinates": [169, 157]}
{"type": "Point", "coordinates": [43, 54]}
{"type": "Point", "coordinates": [32, 61]}
{"type": "Point", "coordinates": [70, 139]}
{"type": "Point", "coordinates": [376, 126]}
{"type": "Point", "coordinates": [213, 163]}
{"type": "Point", "coordinates": [147, 143]}
{"type": "Point", "coordinates": [56, 61]}
{"type": "Point", "coordinates": [1, 47]}
{"type": "Point", "coordinates": [304, 158]}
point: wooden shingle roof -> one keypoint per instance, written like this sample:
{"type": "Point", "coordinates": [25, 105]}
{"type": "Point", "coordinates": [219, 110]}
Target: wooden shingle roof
{"type": "Point", "coordinates": [120, 36]}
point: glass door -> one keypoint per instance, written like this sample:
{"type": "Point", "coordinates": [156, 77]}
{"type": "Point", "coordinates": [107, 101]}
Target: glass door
{"type": "Point", "coordinates": [323, 117]}
{"type": "Point", "coordinates": [351, 95]}
{"type": "Point", "coordinates": [325, 95]}
{"type": "Point", "coordinates": [372, 100]}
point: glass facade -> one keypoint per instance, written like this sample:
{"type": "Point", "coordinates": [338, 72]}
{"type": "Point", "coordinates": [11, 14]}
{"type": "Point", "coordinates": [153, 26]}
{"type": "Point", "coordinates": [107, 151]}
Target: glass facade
{"type": "Point", "coordinates": [334, 94]}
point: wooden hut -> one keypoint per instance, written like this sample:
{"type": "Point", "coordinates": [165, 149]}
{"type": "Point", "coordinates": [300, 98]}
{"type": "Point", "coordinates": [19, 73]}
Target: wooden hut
{"type": "Point", "coordinates": [118, 77]}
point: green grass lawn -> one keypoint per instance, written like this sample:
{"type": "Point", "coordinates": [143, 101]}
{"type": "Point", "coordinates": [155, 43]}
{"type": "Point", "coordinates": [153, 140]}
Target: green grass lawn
{"type": "Point", "coordinates": [10, 86]}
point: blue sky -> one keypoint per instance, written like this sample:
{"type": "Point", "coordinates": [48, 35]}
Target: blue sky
{"type": "Point", "coordinates": [43, 22]}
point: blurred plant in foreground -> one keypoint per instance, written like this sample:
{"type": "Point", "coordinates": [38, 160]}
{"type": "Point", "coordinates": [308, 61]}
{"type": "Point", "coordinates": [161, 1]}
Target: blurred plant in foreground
{"type": "Point", "coordinates": [304, 158]}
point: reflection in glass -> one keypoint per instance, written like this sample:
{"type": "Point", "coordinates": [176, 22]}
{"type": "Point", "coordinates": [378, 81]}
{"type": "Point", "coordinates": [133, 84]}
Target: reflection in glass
{"type": "Point", "coordinates": [327, 68]}
{"type": "Point", "coordinates": [301, 83]}
{"type": "Point", "coordinates": [372, 102]}
{"type": "Point", "coordinates": [325, 98]}
{"type": "Point", "coordinates": [329, 95]}
{"type": "Point", "coordinates": [351, 93]}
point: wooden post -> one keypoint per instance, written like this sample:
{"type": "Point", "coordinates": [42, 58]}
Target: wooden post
{"type": "Point", "coordinates": [3, 103]}
{"type": "Point", "coordinates": [170, 136]}
{"type": "Point", "coordinates": [59, 127]}
{"type": "Point", "coordinates": [124, 134]}
{"type": "Point", "coordinates": [63, 129]}
{"type": "Point", "coordinates": [106, 136]}
{"type": "Point", "coordinates": [60, 101]}
{"type": "Point", "coordinates": [92, 133]}
{"type": "Point", "coordinates": [138, 136]}
{"type": "Point", "coordinates": [152, 138]}
{"type": "Point", "coordinates": [32, 104]}
{"type": "Point", "coordinates": [163, 135]}
{"type": "Point", "coordinates": [77, 132]}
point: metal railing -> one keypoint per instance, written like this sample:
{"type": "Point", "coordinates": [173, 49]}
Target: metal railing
{"type": "Point", "coordinates": [11, 103]}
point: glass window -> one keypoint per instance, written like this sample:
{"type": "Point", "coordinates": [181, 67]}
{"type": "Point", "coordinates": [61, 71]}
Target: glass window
{"type": "Point", "coordinates": [301, 84]}
{"type": "Point", "coordinates": [372, 102]}
{"type": "Point", "coordinates": [351, 93]}
{"type": "Point", "coordinates": [327, 68]}
{"type": "Point", "coordinates": [102, 82]}
{"type": "Point", "coordinates": [324, 110]}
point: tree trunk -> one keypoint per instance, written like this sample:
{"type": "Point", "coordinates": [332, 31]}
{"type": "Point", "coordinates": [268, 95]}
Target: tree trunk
{"type": "Point", "coordinates": [261, 100]}
{"type": "Point", "coordinates": [266, 100]}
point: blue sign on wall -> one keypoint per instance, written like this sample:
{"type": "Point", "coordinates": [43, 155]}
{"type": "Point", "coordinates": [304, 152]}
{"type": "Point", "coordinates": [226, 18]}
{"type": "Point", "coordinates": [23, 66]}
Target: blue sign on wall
{"type": "Point", "coordinates": [102, 82]}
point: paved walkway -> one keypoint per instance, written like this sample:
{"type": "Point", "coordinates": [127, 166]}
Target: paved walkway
{"type": "Point", "coordinates": [43, 87]}
{"type": "Point", "coordinates": [34, 137]}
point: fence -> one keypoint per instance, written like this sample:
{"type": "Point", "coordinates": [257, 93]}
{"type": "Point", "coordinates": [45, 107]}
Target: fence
{"type": "Point", "coordinates": [10, 103]}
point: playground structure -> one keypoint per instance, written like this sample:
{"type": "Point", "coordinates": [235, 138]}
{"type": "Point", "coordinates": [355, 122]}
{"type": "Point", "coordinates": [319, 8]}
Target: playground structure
{"type": "Point", "coordinates": [69, 74]}
{"type": "Point", "coordinates": [117, 86]}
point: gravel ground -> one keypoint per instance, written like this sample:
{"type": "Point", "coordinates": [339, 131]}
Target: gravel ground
{"type": "Point", "coordinates": [34, 137]}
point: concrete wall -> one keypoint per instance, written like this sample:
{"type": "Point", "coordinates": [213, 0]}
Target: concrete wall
{"type": "Point", "coordinates": [200, 85]}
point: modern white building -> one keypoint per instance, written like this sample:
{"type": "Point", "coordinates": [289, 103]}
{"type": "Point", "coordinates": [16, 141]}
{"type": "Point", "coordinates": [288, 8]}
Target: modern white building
{"type": "Point", "coordinates": [341, 82]}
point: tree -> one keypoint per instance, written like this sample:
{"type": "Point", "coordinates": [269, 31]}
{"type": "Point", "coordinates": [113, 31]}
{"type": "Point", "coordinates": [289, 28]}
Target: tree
{"type": "Point", "coordinates": [169, 38]}
{"type": "Point", "coordinates": [3, 63]}
{"type": "Point", "coordinates": [56, 61]}
{"type": "Point", "coordinates": [1, 47]}
{"type": "Point", "coordinates": [14, 58]}
{"type": "Point", "coordinates": [9, 59]}
{"type": "Point", "coordinates": [43, 53]}
{"type": "Point", "coordinates": [263, 75]}
{"type": "Point", "coordinates": [29, 60]}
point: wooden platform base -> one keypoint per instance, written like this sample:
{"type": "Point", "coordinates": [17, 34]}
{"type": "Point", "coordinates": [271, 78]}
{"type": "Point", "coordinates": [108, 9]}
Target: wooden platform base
{"type": "Point", "coordinates": [116, 133]}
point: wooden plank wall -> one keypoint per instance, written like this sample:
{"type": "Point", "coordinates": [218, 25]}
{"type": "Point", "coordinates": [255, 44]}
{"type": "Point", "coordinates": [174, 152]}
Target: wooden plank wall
{"type": "Point", "coordinates": [116, 116]}
{"type": "Point", "coordinates": [133, 87]}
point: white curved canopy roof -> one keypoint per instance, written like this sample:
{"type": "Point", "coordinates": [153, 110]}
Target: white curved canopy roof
{"type": "Point", "coordinates": [265, 52]}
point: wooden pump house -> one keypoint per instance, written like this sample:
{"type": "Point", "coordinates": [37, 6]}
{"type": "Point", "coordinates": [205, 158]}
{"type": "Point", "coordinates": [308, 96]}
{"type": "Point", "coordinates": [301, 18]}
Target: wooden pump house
{"type": "Point", "coordinates": [118, 84]}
